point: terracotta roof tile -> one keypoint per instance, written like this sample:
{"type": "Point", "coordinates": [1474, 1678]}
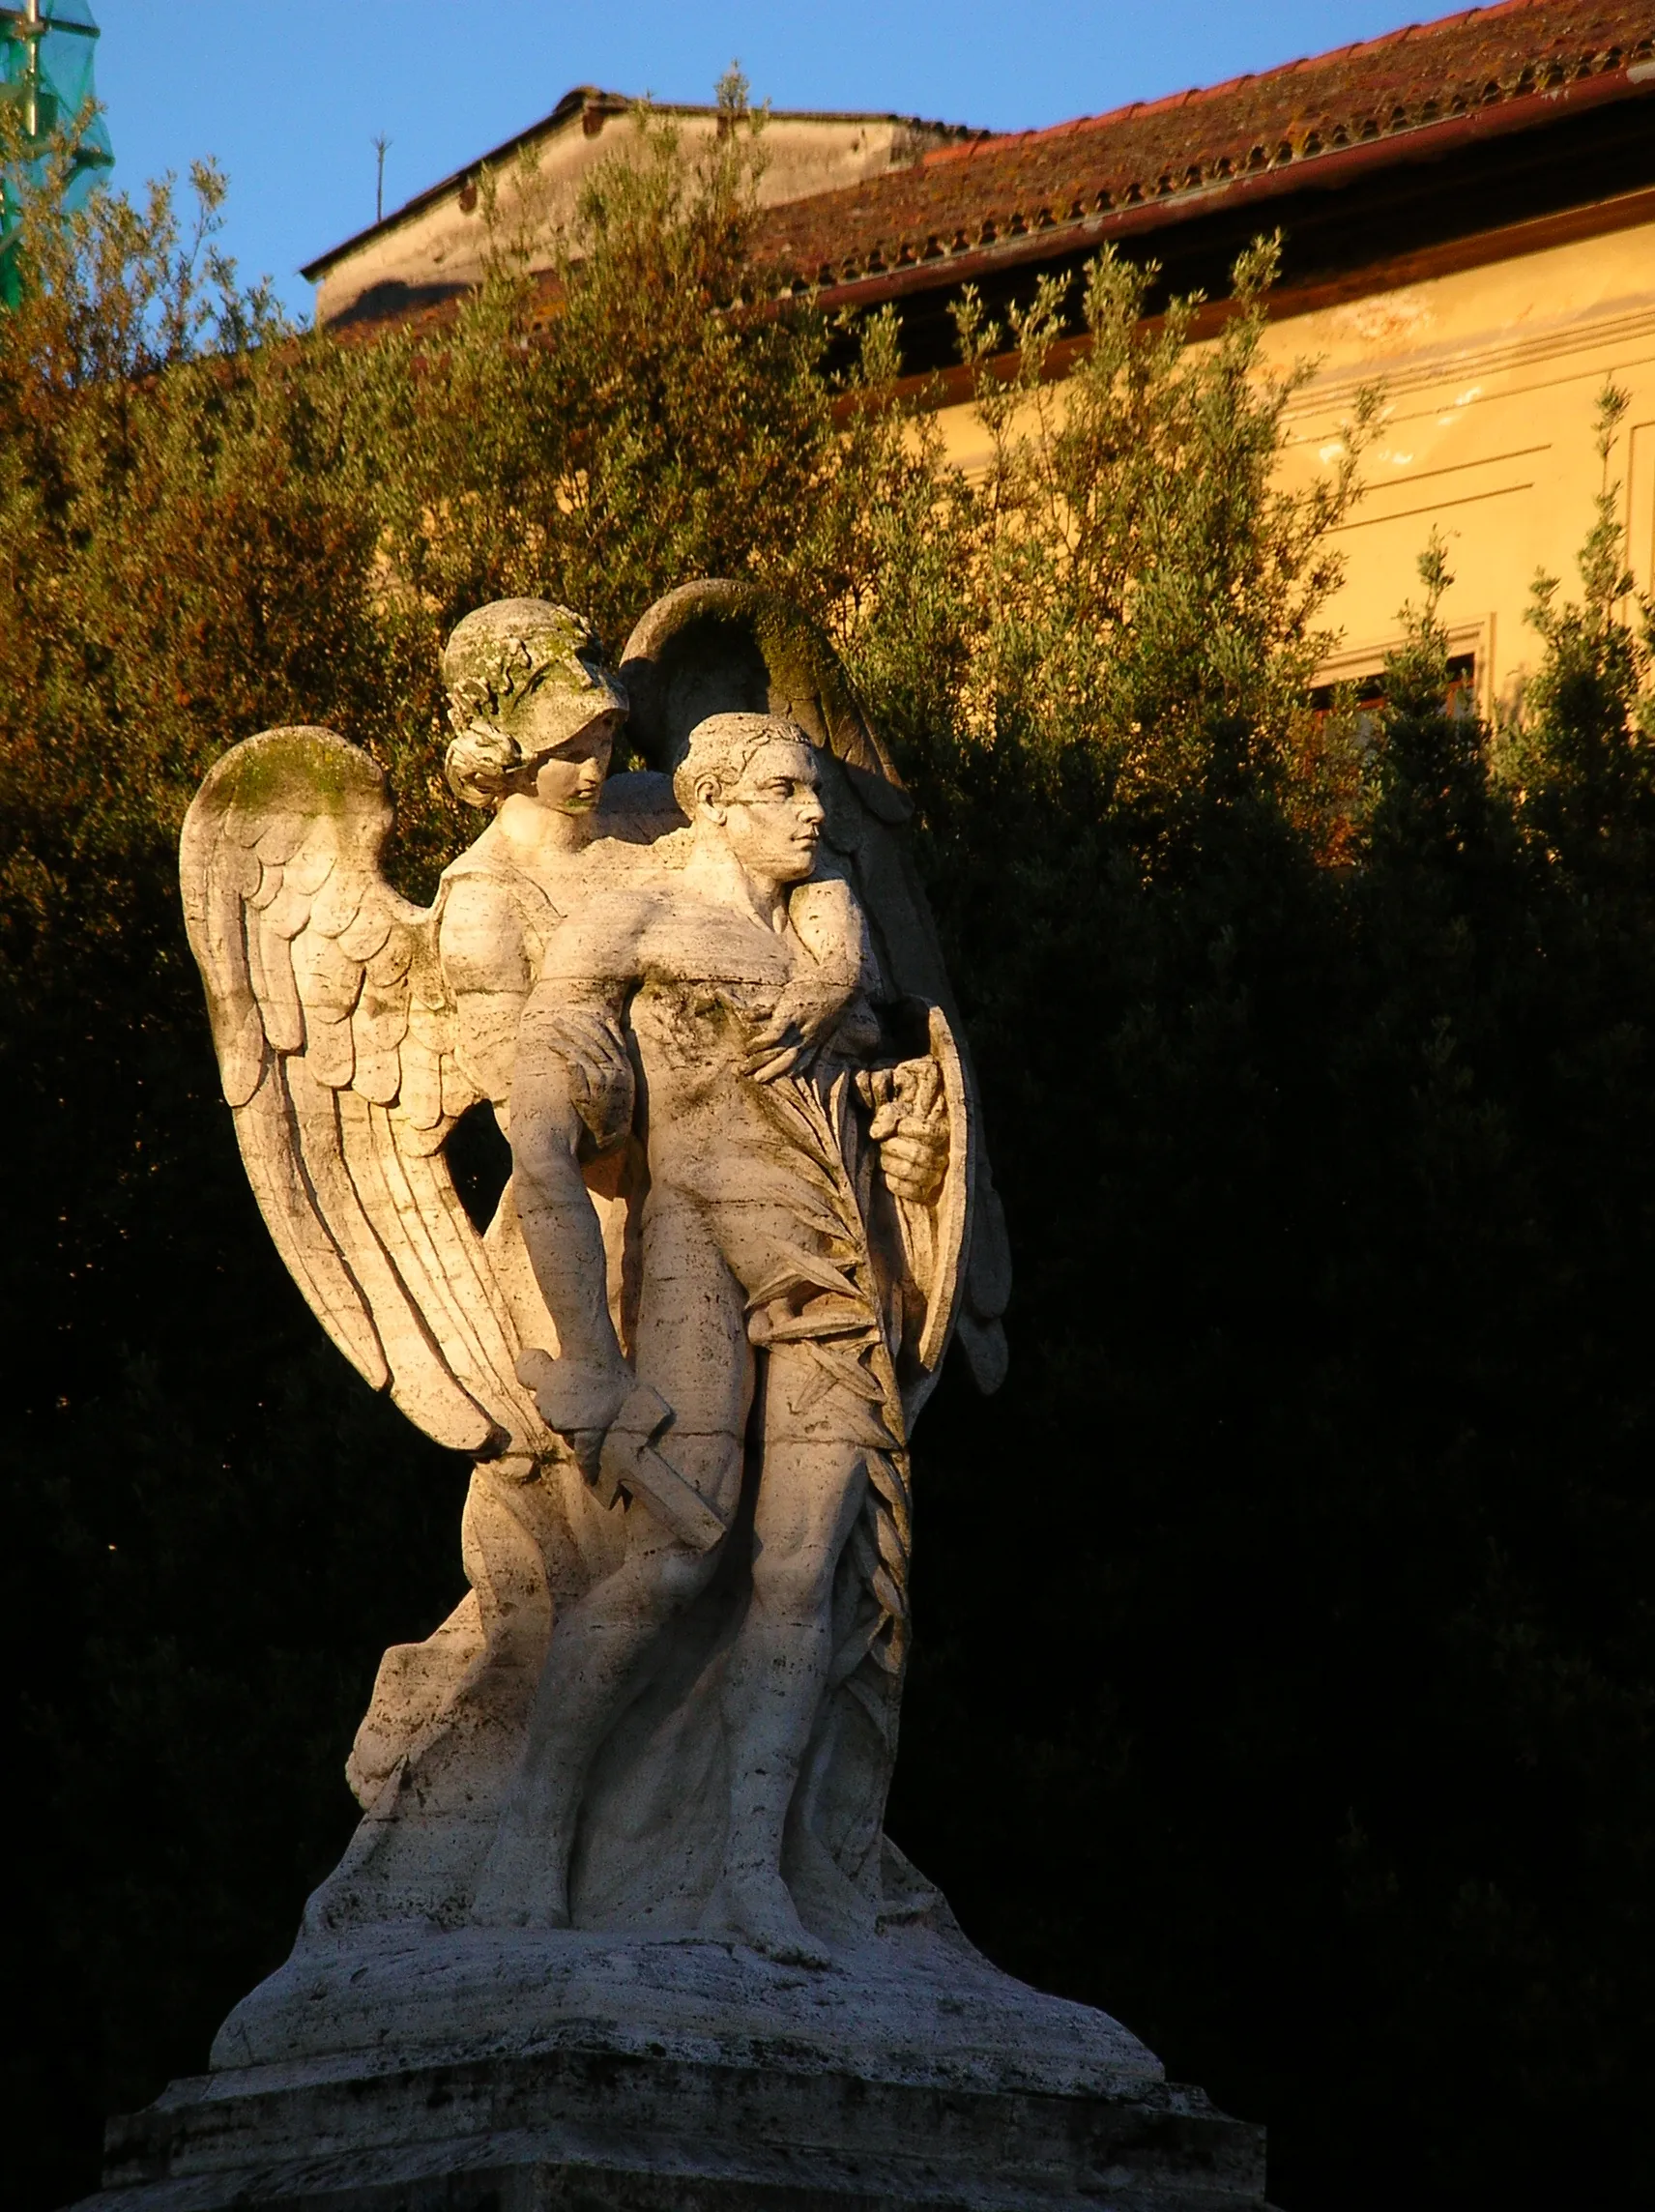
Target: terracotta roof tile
{"type": "Point", "coordinates": [988, 189]}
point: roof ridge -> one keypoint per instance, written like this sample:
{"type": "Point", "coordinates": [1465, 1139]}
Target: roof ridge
{"type": "Point", "coordinates": [1514, 64]}
{"type": "Point", "coordinates": [1383, 42]}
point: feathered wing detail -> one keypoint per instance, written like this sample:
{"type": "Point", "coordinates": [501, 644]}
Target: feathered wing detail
{"type": "Point", "coordinates": [717, 646]}
{"type": "Point", "coordinates": [336, 1041]}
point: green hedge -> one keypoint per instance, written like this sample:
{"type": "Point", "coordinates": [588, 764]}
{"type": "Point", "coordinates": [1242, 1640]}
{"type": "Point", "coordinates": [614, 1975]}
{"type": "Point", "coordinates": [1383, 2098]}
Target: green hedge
{"type": "Point", "coordinates": [1285, 1635]}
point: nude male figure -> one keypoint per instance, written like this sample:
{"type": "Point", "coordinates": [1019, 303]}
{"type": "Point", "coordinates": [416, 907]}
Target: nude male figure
{"type": "Point", "coordinates": [666, 1007]}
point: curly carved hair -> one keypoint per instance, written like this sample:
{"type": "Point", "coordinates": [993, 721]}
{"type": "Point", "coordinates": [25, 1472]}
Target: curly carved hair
{"type": "Point", "coordinates": [720, 749]}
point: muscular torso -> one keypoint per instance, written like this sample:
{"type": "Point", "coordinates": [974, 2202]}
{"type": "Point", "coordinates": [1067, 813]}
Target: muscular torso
{"type": "Point", "coordinates": [681, 982]}
{"type": "Point", "coordinates": [710, 1135]}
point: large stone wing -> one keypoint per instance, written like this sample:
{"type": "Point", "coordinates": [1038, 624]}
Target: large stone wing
{"type": "Point", "coordinates": [335, 1045]}
{"type": "Point", "coordinates": [716, 647]}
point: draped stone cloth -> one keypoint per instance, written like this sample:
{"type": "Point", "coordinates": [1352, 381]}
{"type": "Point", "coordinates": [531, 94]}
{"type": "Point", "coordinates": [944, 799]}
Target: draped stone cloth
{"type": "Point", "coordinates": [341, 1040]}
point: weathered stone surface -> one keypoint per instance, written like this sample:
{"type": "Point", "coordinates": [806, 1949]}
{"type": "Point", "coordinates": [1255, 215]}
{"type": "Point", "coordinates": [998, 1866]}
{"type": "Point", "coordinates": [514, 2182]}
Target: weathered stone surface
{"type": "Point", "coordinates": [917, 2004]}
{"type": "Point", "coordinates": [747, 1210]}
{"type": "Point", "coordinates": [620, 1927]}
{"type": "Point", "coordinates": [650, 2076]}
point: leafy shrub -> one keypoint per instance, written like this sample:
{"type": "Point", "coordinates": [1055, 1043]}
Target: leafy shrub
{"type": "Point", "coordinates": [1283, 1675]}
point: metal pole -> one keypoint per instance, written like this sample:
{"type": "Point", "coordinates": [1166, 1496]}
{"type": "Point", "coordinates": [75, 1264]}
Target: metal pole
{"type": "Point", "coordinates": [34, 30]}
{"type": "Point", "coordinates": [379, 146]}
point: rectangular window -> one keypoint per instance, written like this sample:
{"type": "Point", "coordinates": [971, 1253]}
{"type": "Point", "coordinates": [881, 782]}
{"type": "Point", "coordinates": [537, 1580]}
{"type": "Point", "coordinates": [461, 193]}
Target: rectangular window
{"type": "Point", "coordinates": [1366, 690]}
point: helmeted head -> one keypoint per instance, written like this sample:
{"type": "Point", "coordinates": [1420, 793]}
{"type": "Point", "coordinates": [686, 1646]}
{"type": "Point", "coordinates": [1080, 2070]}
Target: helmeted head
{"type": "Point", "coordinates": [523, 680]}
{"type": "Point", "coordinates": [754, 779]}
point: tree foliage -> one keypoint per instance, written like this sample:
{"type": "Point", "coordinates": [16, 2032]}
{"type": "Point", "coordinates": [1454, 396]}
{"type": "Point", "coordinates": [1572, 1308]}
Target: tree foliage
{"type": "Point", "coordinates": [1285, 1663]}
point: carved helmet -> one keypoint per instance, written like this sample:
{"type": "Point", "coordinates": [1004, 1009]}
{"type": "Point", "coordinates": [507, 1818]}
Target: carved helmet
{"type": "Point", "coordinates": [498, 657]}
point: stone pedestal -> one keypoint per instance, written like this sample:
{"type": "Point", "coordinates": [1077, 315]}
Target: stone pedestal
{"type": "Point", "coordinates": [665, 1740]}
{"type": "Point", "coordinates": [500, 2073]}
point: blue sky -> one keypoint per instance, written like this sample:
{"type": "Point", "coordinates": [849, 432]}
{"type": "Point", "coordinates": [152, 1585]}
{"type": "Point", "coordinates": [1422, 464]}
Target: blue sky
{"type": "Point", "coordinates": [288, 97]}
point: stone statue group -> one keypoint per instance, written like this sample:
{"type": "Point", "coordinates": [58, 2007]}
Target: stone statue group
{"type": "Point", "coordinates": [747, 1211]}
{"type": "Point", "coordinates": [620, 1921]}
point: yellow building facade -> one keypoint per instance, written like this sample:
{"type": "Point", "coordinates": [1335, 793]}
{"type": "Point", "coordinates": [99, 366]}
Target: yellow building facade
{"type": "Point", "coordinates": [1490, 378]}
{"type": "Point", "coordinates": [1466, 210]}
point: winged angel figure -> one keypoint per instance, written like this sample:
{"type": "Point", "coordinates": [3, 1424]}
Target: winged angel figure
{"type": "Point", "coordinates": [748, 1209]}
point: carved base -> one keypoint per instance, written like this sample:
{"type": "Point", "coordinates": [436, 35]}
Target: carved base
{"type": "Point", "coordinates": [599, 2131]}
{"type": "Point", "coordinates": [680, 2076]}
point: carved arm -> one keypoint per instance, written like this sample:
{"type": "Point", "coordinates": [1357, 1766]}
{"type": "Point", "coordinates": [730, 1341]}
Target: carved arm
{"type": "Point", "coordinates": [573, 1094]}
{"type": "Point", "coordinates": [485, 964]}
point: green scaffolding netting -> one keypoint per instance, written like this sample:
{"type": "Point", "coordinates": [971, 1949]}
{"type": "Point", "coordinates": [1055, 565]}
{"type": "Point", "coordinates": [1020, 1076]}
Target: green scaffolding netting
{"type": "Point", "coordinates": [46, 56]}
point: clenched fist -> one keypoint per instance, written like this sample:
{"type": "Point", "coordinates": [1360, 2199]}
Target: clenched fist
{"type": "Point", "coordinates": [910, 1126]}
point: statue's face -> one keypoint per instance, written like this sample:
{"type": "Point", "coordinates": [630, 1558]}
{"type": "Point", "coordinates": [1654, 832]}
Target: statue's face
{"type": "Point", "coordinates": [568, 777]}
{"type": "Point", "coordinates": [773, 818]}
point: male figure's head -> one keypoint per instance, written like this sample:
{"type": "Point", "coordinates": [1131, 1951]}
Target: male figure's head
{"type": "Point", "coordinates": [750, 782]}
